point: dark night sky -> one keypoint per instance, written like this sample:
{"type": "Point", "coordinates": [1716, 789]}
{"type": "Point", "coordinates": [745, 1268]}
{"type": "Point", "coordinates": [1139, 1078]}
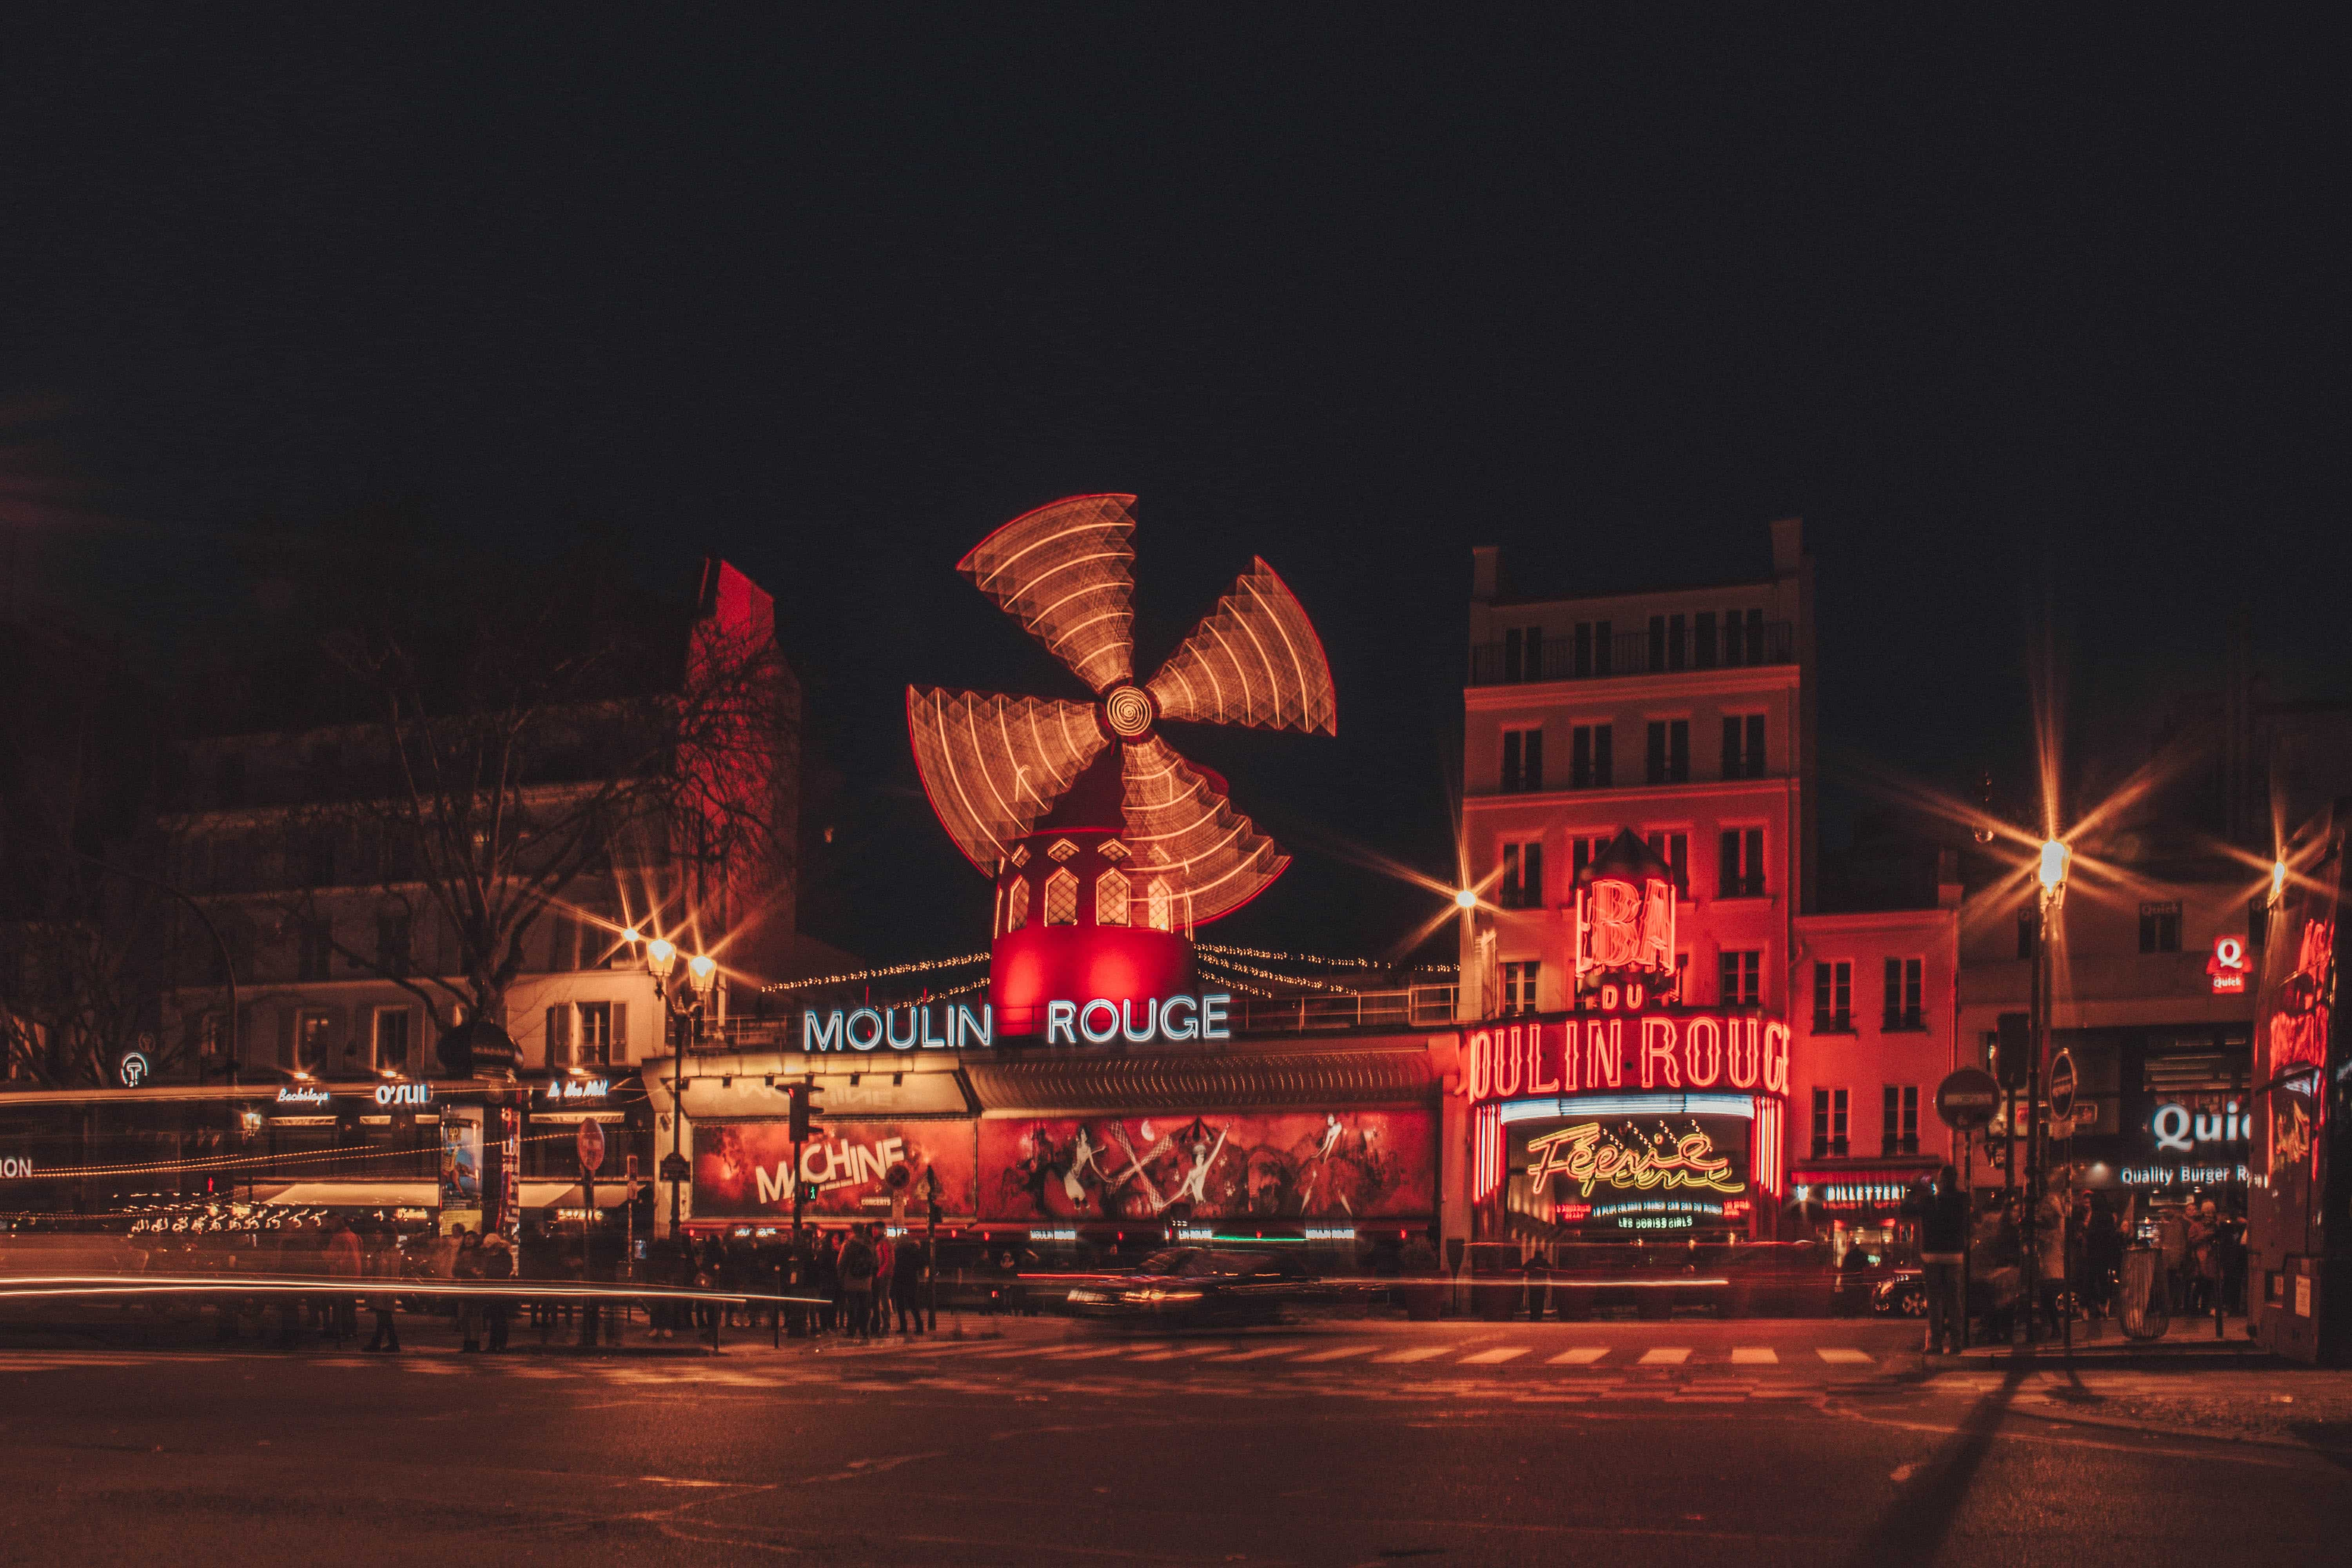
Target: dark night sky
{"type": "Point", "coordinates": [2029, 325]}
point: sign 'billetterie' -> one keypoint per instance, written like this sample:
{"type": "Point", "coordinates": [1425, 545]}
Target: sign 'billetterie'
{"type": "Point", "coordinates": [938, 1026]}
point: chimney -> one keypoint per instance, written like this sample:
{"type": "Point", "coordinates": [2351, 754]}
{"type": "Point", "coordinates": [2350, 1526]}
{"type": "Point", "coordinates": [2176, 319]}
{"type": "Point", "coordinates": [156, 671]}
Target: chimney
{"type": "Point", "coordinates": [1788, 546]}
{"type": "Point", "coordinates": [1947, 878]}
{"type": "Point", "coordinates": [1485, 572]}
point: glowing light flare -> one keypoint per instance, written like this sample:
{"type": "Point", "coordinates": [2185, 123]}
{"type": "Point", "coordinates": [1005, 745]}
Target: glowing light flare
{"type": "Point", "coordinates": [661, 957]}
{"type": "Point", "coordinates": [702, 971]}
{"type": "Point", "coordinates": [2050, 868]}
{"type": "Point", "coordinates": [1064, 572]}
{"type": "Point", "coordinates": [1465, 899]}
{"type": "Point", "coordinates": [2278, 879]}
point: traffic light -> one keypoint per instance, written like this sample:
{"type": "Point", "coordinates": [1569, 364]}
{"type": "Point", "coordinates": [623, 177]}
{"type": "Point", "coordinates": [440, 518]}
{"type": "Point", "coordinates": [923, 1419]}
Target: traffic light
{"type": "Point", "coordinates": [2013, 1050]}
{"type": "Point", "coordinates": [808, 1192]}
{"type": "Point", "coordinates": [804, 1110]}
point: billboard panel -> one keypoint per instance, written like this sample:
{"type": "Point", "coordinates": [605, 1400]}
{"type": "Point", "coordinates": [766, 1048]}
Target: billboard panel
{"type": "Point", "coordinates": [743, 1168]}
{"type": "Point", "coordinates": [1341, 1165]}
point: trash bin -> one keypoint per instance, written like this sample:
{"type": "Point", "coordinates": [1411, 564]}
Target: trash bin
{"type": "Point", "coordinates": [2143, 1305]}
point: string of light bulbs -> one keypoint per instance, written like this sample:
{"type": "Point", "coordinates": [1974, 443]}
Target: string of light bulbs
{"type": "Point", "coordinates": [918, 966]}
{"type": "Point", "coordinates": [1329, 985]}
{"type": "Point", "coordinates": [1260, 953]}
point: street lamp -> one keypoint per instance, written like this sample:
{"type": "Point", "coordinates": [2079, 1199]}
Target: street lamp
{"type": "Point", "coordinates": [1465, 900]}
{"type": "Point", "coordinates": [2050, 870]}
{"type": "Point", "coordinates": [681, 1003]}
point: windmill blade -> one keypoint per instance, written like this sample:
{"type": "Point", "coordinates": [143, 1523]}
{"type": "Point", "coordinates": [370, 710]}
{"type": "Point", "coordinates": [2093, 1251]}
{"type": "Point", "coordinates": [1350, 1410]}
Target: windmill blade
{"type": "Point", "coordinates": [1181, 828]}
{"type": "Point", "coordinates": [1064, 572]}
{"type": "Point", "coordinates": [1255, 660]}
{"type": "Point", "coordinates": [993, 766]}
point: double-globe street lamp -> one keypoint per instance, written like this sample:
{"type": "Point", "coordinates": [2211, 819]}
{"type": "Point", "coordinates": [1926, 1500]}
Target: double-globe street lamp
{"type": "Point", "coordinates": [681, 1003]}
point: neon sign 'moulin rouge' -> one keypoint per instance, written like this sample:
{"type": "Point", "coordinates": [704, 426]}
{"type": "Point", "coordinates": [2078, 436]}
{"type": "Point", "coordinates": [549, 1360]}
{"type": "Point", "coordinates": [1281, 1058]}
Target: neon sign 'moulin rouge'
{"type": "Point", "coordinates": [1096, 1022]}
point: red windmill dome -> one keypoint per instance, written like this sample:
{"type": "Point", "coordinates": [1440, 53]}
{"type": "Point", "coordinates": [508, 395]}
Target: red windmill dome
{"type": "Point", "coordinates": [1106, 846]}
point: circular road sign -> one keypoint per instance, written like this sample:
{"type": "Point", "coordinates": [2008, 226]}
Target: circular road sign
{"type": "Point", "coordinates": [2062, 1087]}
{"type": "Point", "coordinates": [592, 1146]}
{"type": "Point", "coordinates": [1967, 1098]}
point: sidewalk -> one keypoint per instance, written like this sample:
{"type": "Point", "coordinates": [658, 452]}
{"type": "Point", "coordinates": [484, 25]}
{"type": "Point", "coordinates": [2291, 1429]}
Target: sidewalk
{"type": "Point", "coordinates": [2189, 1340]}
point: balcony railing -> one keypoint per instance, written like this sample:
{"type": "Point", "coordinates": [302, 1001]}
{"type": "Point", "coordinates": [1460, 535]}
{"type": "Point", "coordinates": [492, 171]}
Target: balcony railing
{"type": "Point", "coordinates": [1626, 652]}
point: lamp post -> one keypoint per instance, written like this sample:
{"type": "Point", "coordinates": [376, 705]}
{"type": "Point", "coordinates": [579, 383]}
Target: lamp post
{"type": "Point", "coordinates": [2050, 872]}
{"type": "Point", "coordinates": [681, 1003]}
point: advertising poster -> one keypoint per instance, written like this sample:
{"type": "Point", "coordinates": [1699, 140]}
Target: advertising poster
{"type": "Point", "coordinates": [743, 1170]}
{"type": "Point", "coordinates": [461, 1165]}
{"type": "Point", "coordinates": [1339, 1165]}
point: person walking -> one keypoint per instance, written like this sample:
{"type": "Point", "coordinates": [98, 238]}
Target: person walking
{"type": "Point", "coordinates": [826, 1281]}
{"type": "Point", "coordinates": [343, 1265]}
{"type": "Point", "coordinates": [498, 1265]}
{"type": "Point", "coordinates": [2050, 1253]}
{"type": "Point", "coordinates": [909, 1268]}
{"type": "Point", "coordinates": [858, 1268]}
{"type": "Point", "coordinates": [465, 1269]}
{"type": "Point", "coordinates": [2172, 1237]}
{"type": "Point", "coordinates": [383, 1264]}
{"type": "Point", "coordinates": [2204, 1263]}
{"type": "Point", "coordinates": [1941, 1210]}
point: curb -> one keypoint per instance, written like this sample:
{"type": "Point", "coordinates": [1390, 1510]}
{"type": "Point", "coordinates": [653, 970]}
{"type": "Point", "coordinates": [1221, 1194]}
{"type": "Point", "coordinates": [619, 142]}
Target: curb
{"type": "Point", "coordinates": [2165, 1430]}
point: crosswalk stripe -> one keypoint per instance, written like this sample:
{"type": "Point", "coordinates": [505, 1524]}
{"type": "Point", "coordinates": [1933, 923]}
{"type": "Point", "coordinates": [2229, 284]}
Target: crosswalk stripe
{"type": "Point", "coordinates": [1755, 1355]}
{"type": "Point", "coordinates": [1837, 1357]}
{"type": "Point", "coordinates": [1179, 1353]}
{"type": "Point", "coordinates": [1046, 1349]}
{"type": "Point", "coordinates": [1342, 1353]}
{"type": "Point", "coordinates": [1258, 1355]}
{"type": "Point", "coordinates": [1582, 1355]}
{"type": "Point", "coordinates": [1494, 1357]}
{"type": "Point", "coordinates": [1096, 1352]}
{"type": "Point", "coordinates": [1665, 1355]}
{"type": "Point", "coordinates": [1419, 1352]}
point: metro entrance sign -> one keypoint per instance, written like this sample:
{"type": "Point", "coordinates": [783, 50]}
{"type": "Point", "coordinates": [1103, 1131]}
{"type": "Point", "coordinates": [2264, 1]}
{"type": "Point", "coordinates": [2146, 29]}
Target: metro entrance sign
{"type": "Point", "coordinates": [1967, 1098]}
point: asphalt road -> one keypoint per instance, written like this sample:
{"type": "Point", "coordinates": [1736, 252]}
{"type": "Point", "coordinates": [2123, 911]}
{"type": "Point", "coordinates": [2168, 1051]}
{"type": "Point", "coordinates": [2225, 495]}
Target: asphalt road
{"type": "Point", "coordinates": [1624, 1444]}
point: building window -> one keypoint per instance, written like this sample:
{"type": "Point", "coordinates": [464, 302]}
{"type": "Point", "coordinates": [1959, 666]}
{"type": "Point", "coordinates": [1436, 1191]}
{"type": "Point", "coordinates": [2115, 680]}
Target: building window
{"type": "Point", "coordinates": [2159, 928]}
{"type": "Point", "coordinates": [1667, 642]}
{"type": "Point", "coordinates": [1110, 899]}
{"type": "Point", "coordinates": [1833, 999]}
{"type": "Point", "coordinates": [1112, 850]}
{"type": "Point", "coordinates": [1674, 849]}
{"type": "Point", "coordinates": [314, 945]}
{"type": "Point", "coordinates": [314, 1036]}
{"type": "Point", "coordinates": [1669, 751]}
{"type": "Point", "coordinates": [1829, 1123]}
{"type": "Point", "coordinates": [1161, 907]}
{"type": "Point", "coordinates": [1592, 763]}
{"type": "Point", "coordinates": [391, 1031]}
{"type": "Point", "coordinates": [1899, 1133]}
{"type": "Point", "coordinates": [1523, 654]}
{"type": "Point", "coordinates": [392, 940]}
{"type": "Point", "coordinates": [1016, 904]}
{"type": "Point", "coordinates": [1522, 887]}
{"type": "Point", "coordinates": [1583, 852]}
{"type": "Point", "coordinates": [600, 1024]}
{"type": "Point", "coordinates": [1522, 761]}
{"type": "Point", "coordinates": [1061, 849]}
{"type": "Point", "coordinates": [1703, 639]}
{"type": "Point", "coordinates": [1061, 898]}
{"type": "Point", "coordinates": [1739, 864]}
{"type": "Point", "coordinates": [1743, 978]}
{"type": "Point", "coordinates": [1902, 1011]}
{"type": "Point", "coordinates": [1594, 648]}
{"type": "Point", "coordinates": [1519, 986]}
{"type": "Point", "coordinates": [210, 1031]}
{"type": "Point", "coordinates": [1743, 745]}
{"type": "Point", "coordinates": [1743, 636]}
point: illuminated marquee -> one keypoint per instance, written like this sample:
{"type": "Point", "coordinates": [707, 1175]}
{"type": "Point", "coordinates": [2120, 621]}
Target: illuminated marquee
{"type": "Point", "coordinates": [1102, 1020]}
{"type": "Point", "coordinates": [1591, 1155]}
{"type": "Point", "coordinates": [954, 1029]}
{"type": "Point", "coordinates": [1585, 1054]}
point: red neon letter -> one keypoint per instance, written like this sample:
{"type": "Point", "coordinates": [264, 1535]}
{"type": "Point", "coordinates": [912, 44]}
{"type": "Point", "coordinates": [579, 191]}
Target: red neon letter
{"type": "Point", "coordinates": [1607, 1052]}
{"type": "Point", "coordinates": [1776, 1058]}
{"type": "Point", "coordinates": [1703, 1067]}
{"type": "Point", "coordinates": [1658, 1053]}
{"type": "Point", "coordinates": [1537, 1082]}
{"type": "Point", "coordinates": [1480, 1068]}
{"type": "Point", "coordinates": [1507, 1062]}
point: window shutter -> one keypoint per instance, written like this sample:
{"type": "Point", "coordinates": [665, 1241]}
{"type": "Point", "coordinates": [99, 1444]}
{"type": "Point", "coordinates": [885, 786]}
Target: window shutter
{"type": "Point", "coordinates": [559, 1044]}
{"type": "Point", "coordinates": [620, 1031]}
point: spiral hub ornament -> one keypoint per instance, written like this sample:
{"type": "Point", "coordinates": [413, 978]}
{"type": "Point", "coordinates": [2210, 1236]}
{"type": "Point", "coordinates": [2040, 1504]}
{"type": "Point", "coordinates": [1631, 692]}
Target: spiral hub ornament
{"type": "Point", "coordinates": [1129, 711]}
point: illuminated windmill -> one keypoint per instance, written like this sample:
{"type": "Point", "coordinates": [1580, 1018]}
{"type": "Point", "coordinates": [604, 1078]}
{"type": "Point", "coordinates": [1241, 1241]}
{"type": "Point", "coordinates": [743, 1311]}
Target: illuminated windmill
{"type": "Point", "coordinates": [1107, 847]}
